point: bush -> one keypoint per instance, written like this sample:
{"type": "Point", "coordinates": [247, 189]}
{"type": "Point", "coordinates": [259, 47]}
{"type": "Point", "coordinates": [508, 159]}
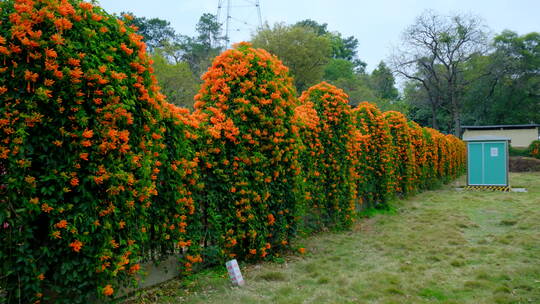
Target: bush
{"type": "Point", "coordinates": [403, 152]}
{"type": "Point", "coordinates": [512, 151]}
{"type": "Point", "coordinates": [456, 157]}
{"type": "Point", "coordinates": [249, 154]}
{"type": "Point", "coordinates": [336, 163]}
{"type": "Point", "coordinates": [308, 123]}
{"type": "Point", "coordinates": [420, 179]}
{"type": "Point", "coordinates": [81, 154]}
{"type": "Point", "coordinates": [175, 219]}
{"type": "Point", "coordinates": [534, 149]}
{"type": "Point", "coordinates": [377, 170]}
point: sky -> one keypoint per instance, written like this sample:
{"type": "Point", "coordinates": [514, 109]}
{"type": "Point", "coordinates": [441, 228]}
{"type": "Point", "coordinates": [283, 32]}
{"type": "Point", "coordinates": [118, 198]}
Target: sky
{"type": "Point", "coordinates": [377, 24]}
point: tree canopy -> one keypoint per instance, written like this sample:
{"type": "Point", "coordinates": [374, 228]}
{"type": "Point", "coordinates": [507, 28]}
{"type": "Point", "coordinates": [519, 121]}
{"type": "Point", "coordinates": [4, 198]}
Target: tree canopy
{"type": "Point", "coordinates": [434, 52]}
{"type": "Point", "coordinates": [304, 51]}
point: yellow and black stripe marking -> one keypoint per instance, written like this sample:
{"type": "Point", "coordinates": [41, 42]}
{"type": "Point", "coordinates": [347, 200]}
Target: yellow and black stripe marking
{"type": "Point", "coordinates": [488, 188]}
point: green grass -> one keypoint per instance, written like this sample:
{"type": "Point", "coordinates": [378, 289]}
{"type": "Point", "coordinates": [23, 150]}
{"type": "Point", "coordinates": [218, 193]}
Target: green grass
{"type": "Point", "coordinates": [440, 246]}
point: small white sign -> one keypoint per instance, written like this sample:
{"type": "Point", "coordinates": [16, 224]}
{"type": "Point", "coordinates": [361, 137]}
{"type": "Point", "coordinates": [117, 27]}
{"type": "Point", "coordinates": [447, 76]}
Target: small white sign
{"type": "Point", "coordinates": [494, 152]}
{"type": "Point", "coordinates": [234, 272]}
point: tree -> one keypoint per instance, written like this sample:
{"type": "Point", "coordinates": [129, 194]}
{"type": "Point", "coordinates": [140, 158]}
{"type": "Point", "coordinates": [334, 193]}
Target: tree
{"type": "Point", "coordinates": [383, 82]}
{"type": "Point", "coordinates": [176, 79]}
{"type": "Point", "coordinates": [155, 31]}
{"type": "Point", "coordinates": [434, 52]}
{"type": "Point", "coordinates": [342, 48]}
{"type": "Point", "coordinates": [197, 51]}
{"type": "Point", "coordinates": [509, 93]}
{"type": "Point", "coordinates": [338, 68]}
{"type": "Point", "coordinates": [300, 48]}
{"type": "Point", "coordinates": [357, 88]}
{"type": "Point", "coordinates": [209, 30]}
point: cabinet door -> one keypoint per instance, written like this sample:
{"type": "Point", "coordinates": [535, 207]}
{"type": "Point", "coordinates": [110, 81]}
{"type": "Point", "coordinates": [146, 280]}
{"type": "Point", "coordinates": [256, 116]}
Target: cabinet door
{"type": "Point", "coordinates": [475, 165]}
{"type": "Point", "coordinates": [495, 163]}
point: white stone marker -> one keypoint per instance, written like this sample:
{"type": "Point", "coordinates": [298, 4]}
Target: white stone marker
{"type": "Point", "coordinates": [234, 273]}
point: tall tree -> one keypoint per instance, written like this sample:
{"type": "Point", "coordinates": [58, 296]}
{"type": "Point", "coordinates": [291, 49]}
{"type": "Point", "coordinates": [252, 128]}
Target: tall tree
{"type": "Point", "coordinates": [342, 48]}
{"type": "Point", "coordinates": [177, 80]}
{"type": "Point", "coordinates": [300, 48]}
{"type": "Point", "coordinates": [196, 51]}
{"type": "Point", "coordinates": [209, 31]}
{"type": "Point", "coordinates": [434, 52]}
{"type": "Point", "coordinates": [338, 68]}
{"type": "Point", "coordinates": [383, 82]}
{"type": "Point", "coordinates": [510, 91]}
{"type": "Point", "coordinates": [155, 31]}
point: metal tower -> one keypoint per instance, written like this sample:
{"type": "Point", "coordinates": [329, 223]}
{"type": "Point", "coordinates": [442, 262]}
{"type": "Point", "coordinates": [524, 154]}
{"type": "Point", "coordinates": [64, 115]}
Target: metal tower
{"type": "Point", "coordinates": [240, 17]}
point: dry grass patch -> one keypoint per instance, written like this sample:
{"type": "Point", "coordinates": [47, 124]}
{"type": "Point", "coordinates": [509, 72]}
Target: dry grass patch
{"type": "Point", "coordinates": [440, 246]}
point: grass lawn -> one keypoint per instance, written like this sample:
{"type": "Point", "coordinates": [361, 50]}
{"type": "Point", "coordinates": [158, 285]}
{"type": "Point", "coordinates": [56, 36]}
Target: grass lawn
{"type": "Point", "coordinates": [439, 246]}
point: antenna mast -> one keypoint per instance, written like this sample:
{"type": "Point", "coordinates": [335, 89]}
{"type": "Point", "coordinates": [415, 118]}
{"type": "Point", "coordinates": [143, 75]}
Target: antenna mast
{"type": "Point", "coordinates": [241, 17]}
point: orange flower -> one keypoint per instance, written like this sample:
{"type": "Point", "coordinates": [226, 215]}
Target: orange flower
{"type": "Point", "coordinates": [134, 268]}
{"type": "Point", "coordinates": [108, 290]}
{"type": "Point", "coordinates": [271, 219]}
{"type": "Point", "coordinates": [126, 50]}
{"type": "Point", "coordinates": [28, 75]}
{"type": "Point", "coordinates": [253, 251]}
{"type": "Point", "coordinates": [76, 245]}
{"type": "Point", "coordinates": [61, 224]}
{"type": "Point", "coordinates": [46, 208]}
{"type": "Point", "coordinates": [86, 6]}
{"type": "Point", "coordinates": [51, 53]}
{"type": "Point", "coordinates": [74, 182]}
{"type": "Point", "coordinates": [83, 156]}
{"type": "Point", "coordinates": [41, 277]}
{"type": "Point", "coordinates": [63, 24]}
{"type": "Point", "coordinates": [74, 62]}
{"type": "Point", "coordinates": [302, 250]}
{"type": "Point", "coordinates": [76, 73]}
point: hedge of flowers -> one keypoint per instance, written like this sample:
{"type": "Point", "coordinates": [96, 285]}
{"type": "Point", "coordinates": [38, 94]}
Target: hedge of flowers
{"type": "Point", "coordinates": [99, 174]}
{"type": "Point", "coordinates": [335, 170]}
{"type": "Point", "coordinates": [377, 169]}
{"type": "Point", "coordinates": [83, 154]}
{"type": "Point", "coordinates": [249, 154]}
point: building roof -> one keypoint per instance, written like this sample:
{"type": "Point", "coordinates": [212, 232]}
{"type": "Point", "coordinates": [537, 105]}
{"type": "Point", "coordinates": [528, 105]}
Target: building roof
{"type": "Point", "coordinates": [525, 126]}
{"type": "Point", "coordinates": [487, 138]}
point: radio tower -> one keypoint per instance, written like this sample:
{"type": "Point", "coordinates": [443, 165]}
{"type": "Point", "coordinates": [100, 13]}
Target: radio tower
{"type": "Point", "coordinates": [240, 18]}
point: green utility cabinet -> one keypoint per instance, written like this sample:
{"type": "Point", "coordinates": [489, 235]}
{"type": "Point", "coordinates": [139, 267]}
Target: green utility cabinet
{"type": "Point", "coordinates": [487, 161]}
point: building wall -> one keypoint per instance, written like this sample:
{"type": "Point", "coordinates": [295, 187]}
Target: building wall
{"type": "Point", "coordinates": [521, 138]}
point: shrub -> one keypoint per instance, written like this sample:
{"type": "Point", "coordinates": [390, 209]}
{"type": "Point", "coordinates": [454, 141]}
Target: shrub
{"type": "Point", "coordinates": [534, 149]}
{"type": "Point", "coordinates": [434, 156]}
{"type": "Point", "coordinates": [81, 154]}
{"type": "Point", "coordinates": [309, 128]}
{"type": "Point", "coordinates": [336, 165]}
{"type": "Point", "coordinates": [456, 157]}
{"type": "Point", "coordinates": [420, 154]}
{"type": "Point", "coordinates": [376, 170]}
{"type": "Point", "coordinates": [249, 155]}
{"type": "Point", "coordinates": [175, 214]}
{"type": "Point", "coordinates": [512, 151]}
{"type": "Point", "coordinates": [403, 152]}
